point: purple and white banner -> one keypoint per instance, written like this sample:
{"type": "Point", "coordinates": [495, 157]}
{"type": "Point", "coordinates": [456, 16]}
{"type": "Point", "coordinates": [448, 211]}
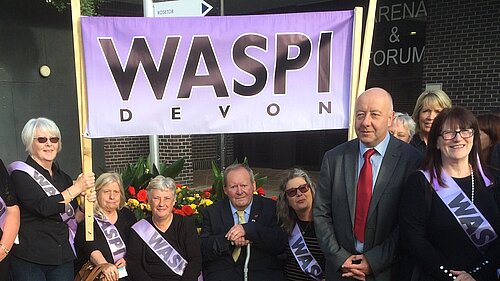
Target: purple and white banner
{"type": "Point", "coordinates": [207, 75]}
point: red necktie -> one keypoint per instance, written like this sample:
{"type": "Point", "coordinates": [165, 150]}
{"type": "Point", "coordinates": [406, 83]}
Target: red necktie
{"type": "Point", "coordinates": [363, 196]}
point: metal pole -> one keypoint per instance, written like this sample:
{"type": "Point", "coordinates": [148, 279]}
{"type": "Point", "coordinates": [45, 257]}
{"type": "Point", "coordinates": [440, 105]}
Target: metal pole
{"type": "Point", "coordinates": [247, 260]}
{"type": "Point", "coordinates": [222, 136]}
{"type": "Point", "coordinates": [154, 146]}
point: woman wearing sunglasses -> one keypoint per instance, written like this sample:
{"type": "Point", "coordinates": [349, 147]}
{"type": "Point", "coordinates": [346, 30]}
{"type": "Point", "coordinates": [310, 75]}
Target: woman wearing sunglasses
{"type": "Point", "coordinates": [450, 220]}
{"type": "Point", "coordinates": [294, 210]}
{"type": "Point", "coordinates": [49, 209]}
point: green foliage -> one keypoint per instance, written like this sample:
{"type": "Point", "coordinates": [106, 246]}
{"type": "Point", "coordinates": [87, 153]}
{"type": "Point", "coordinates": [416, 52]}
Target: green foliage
{"type": "Point", "coordinates": [140, 173]}
{"type": "Point", "coordinates": [87, 7]}
{"type": "Point", "coordinates": [218, 180]}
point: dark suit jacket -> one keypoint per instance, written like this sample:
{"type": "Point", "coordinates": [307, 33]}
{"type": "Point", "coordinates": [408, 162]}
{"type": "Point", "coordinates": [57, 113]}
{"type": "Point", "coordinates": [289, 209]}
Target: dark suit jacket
{"type": "Point", "coordinates": [268, 242]}
{"type": "Point", "coordinates": [335, 201]}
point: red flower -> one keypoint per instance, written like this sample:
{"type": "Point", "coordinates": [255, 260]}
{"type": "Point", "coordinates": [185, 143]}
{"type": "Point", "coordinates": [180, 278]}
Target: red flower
{"type": "Point", "coordinates": [178, 185]}
{"type": "Point", "coordinates": [261, 191]}
{"type": "Point", "coordinates": [178, 211]}
{"type": "Point", "coordinates": [187, 210]}
{"type": "Point", "coordinates": [274, 198]}
{"type": "Point", "coordinates": [142, 196]}
{"type": "Point", "coordinates": [205, 194]}
{"type": "Point", "coordinates": [131, 190]}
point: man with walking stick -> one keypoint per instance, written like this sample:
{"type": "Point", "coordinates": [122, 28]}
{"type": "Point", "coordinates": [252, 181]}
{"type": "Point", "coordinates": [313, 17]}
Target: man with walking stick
{"type": "Point", "coordinates": [240, 219]}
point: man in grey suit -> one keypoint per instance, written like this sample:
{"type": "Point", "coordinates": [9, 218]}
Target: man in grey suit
{"type": "Point", "coordinates": [357, 227]}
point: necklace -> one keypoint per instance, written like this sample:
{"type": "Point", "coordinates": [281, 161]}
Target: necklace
{"type": "Point", "coordinates": [472, 180]}
{"type": "Point", "coordinates": [306, 228]}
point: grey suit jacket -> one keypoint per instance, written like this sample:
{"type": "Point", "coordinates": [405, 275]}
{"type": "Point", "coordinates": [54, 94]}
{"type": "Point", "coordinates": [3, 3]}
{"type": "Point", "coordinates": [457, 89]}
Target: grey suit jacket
{"type": "Point", "coordinates": [335, 203]}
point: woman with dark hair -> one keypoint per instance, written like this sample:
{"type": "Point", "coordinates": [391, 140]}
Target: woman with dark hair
{"type": "Point", "coordinates": [9, 221]}
{"type": "Point", "coordinates": [449, 217]}
{"type": "Point", "coordinates": [294, 211]}
{"type": "Point", "coordinates": [489, 126]}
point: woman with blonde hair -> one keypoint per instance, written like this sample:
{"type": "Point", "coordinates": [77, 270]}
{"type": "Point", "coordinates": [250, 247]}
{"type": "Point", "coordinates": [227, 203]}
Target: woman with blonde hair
{"type": "Point", "coordinates": [111, 230]}
{"type": "Point", "coordinates": [429, 104]}
{"type": "Point", "coordinates": [294, 211]}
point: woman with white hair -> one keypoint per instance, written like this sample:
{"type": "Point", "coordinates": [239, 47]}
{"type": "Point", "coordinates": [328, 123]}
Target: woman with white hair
{"type": "Point", "coordinates": [164, 246]}
{"type": "Point", "coordinates": [48, 205]}
{"type": "Point", "coordinates": [111, 230]}
{"type": "Point", "coordinates": [402, 127]}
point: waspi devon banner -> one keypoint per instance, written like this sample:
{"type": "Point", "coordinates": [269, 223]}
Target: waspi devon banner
{"type": "Point", "coordinates": [265, 73]}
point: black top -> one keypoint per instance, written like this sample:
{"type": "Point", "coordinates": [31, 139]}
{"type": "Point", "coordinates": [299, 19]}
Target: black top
{"type": "Point", "coordinates": [292, 269]}
{"type": "Point", "coordinates": [5, 189]}
{"type": "Point", "coordinates": [144, 265]}
{"type": "Point", "coordinates": [84, 248]}
{"type": "Point", "coordinates": [435, 238]}
{"type": "Point", "coordinates": [43, 236]}
{"type": "Point", "coordinates": [418, 143]}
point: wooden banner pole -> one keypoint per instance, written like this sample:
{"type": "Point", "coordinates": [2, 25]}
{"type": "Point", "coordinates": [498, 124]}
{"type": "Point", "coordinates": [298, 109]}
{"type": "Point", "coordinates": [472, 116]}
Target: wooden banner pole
{"type": "Point", "coordinates": [367, 46]}
{"type": "Point", "coordinates": [356, 53]}
{"type": "Point", "coordinates": [81, 91]}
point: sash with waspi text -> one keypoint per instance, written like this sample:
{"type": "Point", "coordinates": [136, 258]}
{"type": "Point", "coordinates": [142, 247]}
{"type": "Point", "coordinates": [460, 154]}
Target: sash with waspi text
{"type": "Point", "coordinates": [3, 212]}
{"type": "Point", "coordinates": [472, 221]}
{"type": "Point", "coordinates": [69, 213]}
{"type": "Point", "coordinates": [160, 246]}
{"type": "Point", "coordinates": [113, 238]}
{"type": "Point", "coordinates": [305, 259]}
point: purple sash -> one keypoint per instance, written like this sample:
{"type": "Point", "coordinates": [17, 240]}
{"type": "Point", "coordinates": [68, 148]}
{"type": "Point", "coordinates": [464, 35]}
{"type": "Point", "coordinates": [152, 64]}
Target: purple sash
{"type": "Point", "coordinates": [474, 224]}
{"type": "Point", "coordinates": [160, 246]}
{"type": "Point", "coordinates": [305, 259]}
{"type": "Point", "coordinates": [69, 213]}
{"type": "Point", "coordinates": [3, 212]}
{"type": "Point", "coordinates": [113, 238]}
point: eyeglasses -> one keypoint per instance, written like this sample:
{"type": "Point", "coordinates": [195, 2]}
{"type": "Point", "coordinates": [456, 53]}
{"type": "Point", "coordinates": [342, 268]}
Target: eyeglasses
{"type": "Point", "coordinates": [465, 133]}
{"type": "Point", "coordinates": [293, 191]}
{"type": "Point", "coordinates": [45, 139]}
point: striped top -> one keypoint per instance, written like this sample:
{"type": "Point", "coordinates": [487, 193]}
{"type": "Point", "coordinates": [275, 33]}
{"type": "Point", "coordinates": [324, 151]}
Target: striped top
{"type": "Point", "coordinates": [292, 269]}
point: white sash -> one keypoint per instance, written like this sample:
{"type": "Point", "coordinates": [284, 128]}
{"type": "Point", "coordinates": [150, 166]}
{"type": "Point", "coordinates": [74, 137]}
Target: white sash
{"type": "Point", "coordinates": [69, 213]}
{"type": "Point", "coordinates": [113, 238]}
{"type": "Point", "coordinates": [3, 212]}
{"type": "Point", "coordinates": [160, 246]}
{"type": "Point", "coordinates": [304, 258]}
{"type": "Point", "coordinates": [474, 224]}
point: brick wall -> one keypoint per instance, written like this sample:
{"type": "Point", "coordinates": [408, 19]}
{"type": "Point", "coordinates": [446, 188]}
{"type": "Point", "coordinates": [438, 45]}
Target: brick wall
{"type": "Point", "coordinates": [175, 147]}
{"type": "Point", "coordinates": [118, 152]}
{"type": "Point", "coordinates": [206, 148]}
{"type": "Point", "coordinates": [463, 51]}
{"type": "Point", "coordinates": [197, 150]}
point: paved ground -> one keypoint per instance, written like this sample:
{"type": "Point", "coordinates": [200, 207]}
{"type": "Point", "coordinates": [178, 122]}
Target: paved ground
{"type": "Point", "coordinates": [203, 178]}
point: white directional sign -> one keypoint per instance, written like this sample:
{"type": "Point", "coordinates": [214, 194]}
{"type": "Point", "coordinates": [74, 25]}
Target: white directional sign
{"type": "Point", "coordinates": [181, 8]}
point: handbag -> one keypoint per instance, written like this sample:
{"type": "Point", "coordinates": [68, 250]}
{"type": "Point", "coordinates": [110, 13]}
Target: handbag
{"type": "Point", "coordinates": [89, 272]}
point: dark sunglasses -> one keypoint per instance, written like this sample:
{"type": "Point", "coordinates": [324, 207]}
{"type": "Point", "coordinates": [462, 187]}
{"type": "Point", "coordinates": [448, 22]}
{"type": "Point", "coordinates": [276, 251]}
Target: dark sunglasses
{"type": "Point", "coordinates": [45, 139]}
{"type": "Point", "coordinates": [293, 191]}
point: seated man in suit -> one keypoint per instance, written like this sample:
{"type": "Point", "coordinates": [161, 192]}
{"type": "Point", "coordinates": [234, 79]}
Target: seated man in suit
{"type": "Point", "coordinates": [231, 224]}
{"type": "Point", "coordinates": [358, 194]}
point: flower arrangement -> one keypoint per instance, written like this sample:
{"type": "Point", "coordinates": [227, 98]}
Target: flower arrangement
{"type": "Point", "coordinates": [136, 178]}
{"type": "Point", "coordinates": [189, 201]}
